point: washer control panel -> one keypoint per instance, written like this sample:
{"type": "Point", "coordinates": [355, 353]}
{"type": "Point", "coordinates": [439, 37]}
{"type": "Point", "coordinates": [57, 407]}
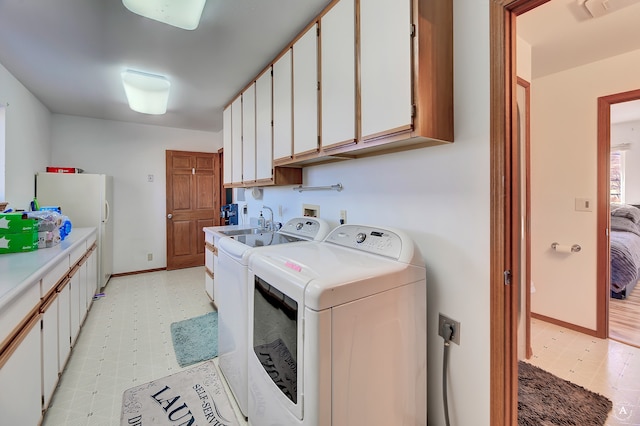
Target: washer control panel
{"type": "Point", "coordinates": [308, 228]}
{"type": "Point", "coordinates": [379, 241]}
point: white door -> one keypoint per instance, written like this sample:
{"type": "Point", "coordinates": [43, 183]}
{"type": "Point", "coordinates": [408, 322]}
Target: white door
{"type": "Point", "coordinates": [305, 93]}
{"type": "Point", "coordinates": [236, 140]}
{"type": "Point", "coordinates": [226, 144]}
{"type": "Point", "coordinates": [264, 140]}
{"type": "Point", "coordinates": [249, 134]}
{"type": "Point", "coordinates": [338, 83]}
{"type": "Point", "coordinates": [385, 58]}
{"type": "Point", "coordinates": [282, 108]}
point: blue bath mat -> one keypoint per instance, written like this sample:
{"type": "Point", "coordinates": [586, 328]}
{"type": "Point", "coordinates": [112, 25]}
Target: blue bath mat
{"type": "Point", "coordinates": [195, 339]}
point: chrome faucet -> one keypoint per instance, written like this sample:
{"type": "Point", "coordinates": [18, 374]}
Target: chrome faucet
{"type": "Point", "coordinates": [269, 223]}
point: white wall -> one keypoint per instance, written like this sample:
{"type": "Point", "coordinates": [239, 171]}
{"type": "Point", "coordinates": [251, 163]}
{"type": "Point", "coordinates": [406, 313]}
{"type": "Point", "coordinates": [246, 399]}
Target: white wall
{"type": "Point", "coordinates": [27, 145]}
{"type": "Point", "coordinates": [564, 159]}
{"type": "Point", "coordinates": [440, 195]}
{"type": "Point", "coordinates": [129, 152]}
{"type": "Point", "coordinates": [629, 133]}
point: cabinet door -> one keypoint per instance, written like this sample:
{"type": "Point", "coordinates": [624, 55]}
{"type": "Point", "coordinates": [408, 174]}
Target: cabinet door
{"type": "Point", "coordinates": [305, 93]}
{"type": "Point", "coordinates": [226, 145]}
{"type": "Point", "coordinates": [249, 134]}
{"type": "Point", "coordinates": [74, 304]}
{"type": "Point", "coordinates": [338, 81]}
{"type": "Point", "coordinates": [21, 380]}
{"type": "Point", "coordinates": [282, 108]}
{"type": "Point", "coordinates": [49, 350]}
{"type": "Point", "coordinates": [385, 58]}
{"type": "Point", "coordinates": [64, 327]}
{"type": "Point", "coordinates": [92, 282]}
{"type": "Point", "coordinates": [264, 141]}
{"type": "Point", "coordinates": [236, 140]}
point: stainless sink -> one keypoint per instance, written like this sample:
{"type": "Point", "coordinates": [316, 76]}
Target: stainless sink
{"type": "Point", "coordinates": [246, 231]}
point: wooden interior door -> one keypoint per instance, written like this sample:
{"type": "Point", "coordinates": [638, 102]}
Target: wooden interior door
{"type": "Point", "coordinates": [193, 202]}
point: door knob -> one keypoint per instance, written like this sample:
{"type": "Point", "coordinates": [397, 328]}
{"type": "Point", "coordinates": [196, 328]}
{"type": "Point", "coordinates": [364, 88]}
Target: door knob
{"type": "Point", "coordinates": [169, 216]}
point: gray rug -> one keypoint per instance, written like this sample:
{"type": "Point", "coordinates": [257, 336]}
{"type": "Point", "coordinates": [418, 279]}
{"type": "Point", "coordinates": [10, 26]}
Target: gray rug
{"type": "Point", "coordinates": [545, 400]}
{"type": "Point", "coordinates": [195, 339]}
{"type": "Point", "coordinates": [194, 396]}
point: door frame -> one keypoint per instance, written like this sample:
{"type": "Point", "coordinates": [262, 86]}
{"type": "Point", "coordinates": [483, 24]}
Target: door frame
{"type": "Point", "coordinates": [603, 205]}
{"type": "Point", "coordinates": [504, 241]}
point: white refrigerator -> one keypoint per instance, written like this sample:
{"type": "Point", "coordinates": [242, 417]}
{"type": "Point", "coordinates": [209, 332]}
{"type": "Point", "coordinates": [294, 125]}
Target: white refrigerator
{"type": "Point", "coordinates": [87, 200]}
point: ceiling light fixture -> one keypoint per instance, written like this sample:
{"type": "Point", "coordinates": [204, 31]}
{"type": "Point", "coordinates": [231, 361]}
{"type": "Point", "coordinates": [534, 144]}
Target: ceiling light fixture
{"type": "Point", "coordinates": [146, 93]}
{"type": "Point", "coordinates": [179, 13]}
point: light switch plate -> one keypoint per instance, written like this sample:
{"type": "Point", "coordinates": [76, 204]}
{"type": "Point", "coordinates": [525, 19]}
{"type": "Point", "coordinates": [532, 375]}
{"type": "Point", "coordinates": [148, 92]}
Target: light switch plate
{"type": "Point", "coordinates": [584, 205]}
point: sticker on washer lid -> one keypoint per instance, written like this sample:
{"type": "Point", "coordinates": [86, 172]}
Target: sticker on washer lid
{"type": "Point", "coordinates": [293, 266]}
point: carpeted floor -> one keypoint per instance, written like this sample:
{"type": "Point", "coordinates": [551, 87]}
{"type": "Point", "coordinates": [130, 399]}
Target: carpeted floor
{"type": "Point", "coordinates": [545, 400]}
{"type": "Point", "coordinates": [195, 339]}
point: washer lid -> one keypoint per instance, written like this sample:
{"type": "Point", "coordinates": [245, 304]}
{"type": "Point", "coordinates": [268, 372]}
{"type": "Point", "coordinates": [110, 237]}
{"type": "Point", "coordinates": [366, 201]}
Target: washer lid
{"type": "Point", "coordinates": [324, 275]}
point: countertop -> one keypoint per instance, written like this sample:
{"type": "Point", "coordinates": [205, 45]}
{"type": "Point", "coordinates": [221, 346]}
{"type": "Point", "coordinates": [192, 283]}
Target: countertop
{"type": "Point", "coordinates": [218, 229]}
{"type": "Point", "coordinates": [19, 270]}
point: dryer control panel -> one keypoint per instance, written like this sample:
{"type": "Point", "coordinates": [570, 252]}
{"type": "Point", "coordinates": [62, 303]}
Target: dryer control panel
{"type": "Point", "coordinates": [381, 241]}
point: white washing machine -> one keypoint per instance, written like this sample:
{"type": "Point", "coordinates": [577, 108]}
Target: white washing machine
{"type": "Point", "coordinates": [338, 331]}
{"type": "Point", "coordinates": [231, 278]}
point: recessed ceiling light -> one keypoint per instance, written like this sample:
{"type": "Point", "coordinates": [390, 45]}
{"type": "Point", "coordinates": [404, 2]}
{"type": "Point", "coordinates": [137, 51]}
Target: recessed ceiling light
{"type": "Point", "coordinates": [179, 13]}
{"type": "Point", "coordinates": [146, 93]}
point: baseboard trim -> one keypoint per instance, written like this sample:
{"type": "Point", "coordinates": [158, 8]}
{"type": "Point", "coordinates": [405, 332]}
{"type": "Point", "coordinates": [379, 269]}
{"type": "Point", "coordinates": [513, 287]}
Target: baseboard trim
{"type": "Point", "coordinates": [124, 274]}
{"type": "Point", "coordinates": [564, 324]}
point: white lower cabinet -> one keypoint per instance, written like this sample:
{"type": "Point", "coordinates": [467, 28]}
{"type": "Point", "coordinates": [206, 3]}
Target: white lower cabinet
{"type": "Point", "coordinates": [50, 363]}
{"type": "Point", "coordinates": [74, 304]}
{"type": "Point", "coordinates": [64, 324]}
{"type": "Point", "coordinates": [21, 378]}
{"type": "Point", "coordinates": [37, 327]}
{"type": "Point", "coordinates": [92, 276]}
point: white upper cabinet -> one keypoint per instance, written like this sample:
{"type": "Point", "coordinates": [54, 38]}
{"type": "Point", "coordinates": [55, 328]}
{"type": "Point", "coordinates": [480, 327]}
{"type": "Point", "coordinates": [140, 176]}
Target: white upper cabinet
{"type": "Point", "coordinates": [264, 140]}
{"type": "Point", "coordinates": [366, 77]}
{"type": "Point", "coordinates": [385, 58]}
{"type": "Point", "coordinates": [305, 93]}
{"type": "Point", "coordinates": [338, 71]}
{"type": "Point", "coordinates": [226, 145]}
{"type": "Point", "coordinates": [236, 140]}
{"type": "Point", "coordinates": [249, 134]}
{"type": "Point", "coordinates": [282, 108]}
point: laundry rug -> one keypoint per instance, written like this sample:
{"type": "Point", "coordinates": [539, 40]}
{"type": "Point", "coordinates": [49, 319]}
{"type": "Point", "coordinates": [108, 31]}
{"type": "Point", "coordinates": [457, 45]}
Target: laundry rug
{"type": "Point", "coordinates": [545, 399]}
{"type": "Point", "coordinates": [195, 339]}
{"type": "Point", "coordinates": [194, 396]}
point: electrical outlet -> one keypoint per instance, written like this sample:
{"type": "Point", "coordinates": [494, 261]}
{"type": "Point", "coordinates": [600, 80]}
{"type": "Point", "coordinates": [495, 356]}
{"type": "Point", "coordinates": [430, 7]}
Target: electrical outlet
{"type": "Point", "coordinates": [149, 257]}
{"type": "Point", "coordinates": [280, 211]}
{"type": "Point", "coordinates": [343, 217]}
{"type": "Point", "coordinates": [244, 209]}
{"type": "Point", "coordinates": [455, 325]}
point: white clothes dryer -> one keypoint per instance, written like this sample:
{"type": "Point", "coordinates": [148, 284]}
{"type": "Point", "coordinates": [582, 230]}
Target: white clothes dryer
{"type": "Point", "coordinates": [338, 331]}
{"type": "Point", "coordinates": [231, 277]}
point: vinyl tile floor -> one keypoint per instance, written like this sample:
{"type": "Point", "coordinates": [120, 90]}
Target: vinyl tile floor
{"type": "Point", "coordinates": [126, 341]}
{"type": "Point", "coordinates": [604, 366]}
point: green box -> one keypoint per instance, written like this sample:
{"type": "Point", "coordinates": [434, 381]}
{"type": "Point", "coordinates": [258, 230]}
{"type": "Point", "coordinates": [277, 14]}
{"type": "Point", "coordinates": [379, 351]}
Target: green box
{"type": "Point", "coordinates": [12, 223]}
{"type": "Point", "coordinates": [18, 242]}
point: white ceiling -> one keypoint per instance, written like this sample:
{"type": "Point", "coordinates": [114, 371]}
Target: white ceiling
{"type": "Point", "coordinates": [69, 54]}
{"type": "Point", "coordinates": [563, 35]}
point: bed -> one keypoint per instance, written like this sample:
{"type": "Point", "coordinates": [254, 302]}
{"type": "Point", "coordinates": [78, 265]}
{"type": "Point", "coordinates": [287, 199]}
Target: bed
{"type": "Point", "coordinates": [625, 249]}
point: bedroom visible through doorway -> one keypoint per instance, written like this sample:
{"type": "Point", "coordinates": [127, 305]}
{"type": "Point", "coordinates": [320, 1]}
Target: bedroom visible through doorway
{"type": "Point", "coordinates": [624, 197]}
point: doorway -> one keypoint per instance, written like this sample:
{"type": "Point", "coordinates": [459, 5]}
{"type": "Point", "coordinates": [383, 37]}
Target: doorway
{"type": "Point", "coordinates": [623, 314]}
{"type": "Point", "coordinates": [193, 202]}
{"type": "Point", "coordinates": [506, 245]}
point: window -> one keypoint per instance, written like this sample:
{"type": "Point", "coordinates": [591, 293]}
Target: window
{"type": "Point", "coordinates": [617, 177]}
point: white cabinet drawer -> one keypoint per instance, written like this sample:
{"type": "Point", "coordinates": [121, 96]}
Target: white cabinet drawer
{"type": "Point", "coordinates": [54, 276]}
{"type": "Point", "coordinates": [12, 315]}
